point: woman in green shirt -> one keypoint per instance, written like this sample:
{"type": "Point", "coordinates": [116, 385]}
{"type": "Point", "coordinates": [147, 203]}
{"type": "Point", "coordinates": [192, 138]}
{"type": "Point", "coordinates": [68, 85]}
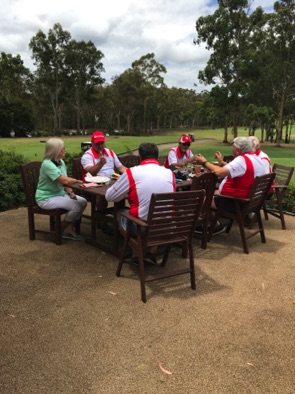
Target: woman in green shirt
{"type": "Point", "coordinates": [54, 188]}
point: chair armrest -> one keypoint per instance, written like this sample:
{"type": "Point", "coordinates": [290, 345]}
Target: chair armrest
{"type": "Point", "coordinates": [233, 198]}
{"type": "Point", "coordinates": [134, 219]}
{"type": "Point", "coordinates": [280, 186]}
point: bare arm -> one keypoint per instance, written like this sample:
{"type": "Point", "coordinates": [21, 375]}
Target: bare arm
{"type": "Point", "coordinates": [219, 171]}
{"type": "Point", "coordinates": [121, 169]}
{"type": "Point", "coordinates": [96, 167]}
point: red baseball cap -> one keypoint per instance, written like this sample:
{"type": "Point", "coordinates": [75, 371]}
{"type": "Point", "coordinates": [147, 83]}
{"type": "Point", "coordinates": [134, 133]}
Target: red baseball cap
{"type": "Point", "coordinates": [98, 136]}
{"type": "Point", "coordinates": [185, 139]}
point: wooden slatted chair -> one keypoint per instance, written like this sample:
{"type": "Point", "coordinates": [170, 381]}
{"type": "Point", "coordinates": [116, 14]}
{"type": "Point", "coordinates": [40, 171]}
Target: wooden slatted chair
{"type": "Point", "coordinates": [171, 220]}
{"type": "Point", "coordinates": [207, 181]}
{"type": "Point", "coordinates": [129, 160]}
{"type": "Point", "coordinates": [162, 159]}
{"type": "Point", "coordinates": [274, 205]}
{"type": "Point", "coordinates": [77, 174]}
{"type": "Point", "coordinates": [30, 177]}
{"type": "Point", "coordinates": [244, 206]}
{"type": "Point", "coordinates": [228, 158]}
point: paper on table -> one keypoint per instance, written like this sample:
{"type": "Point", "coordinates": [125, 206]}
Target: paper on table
{"type": "Point", "coordinates": [96, 179]}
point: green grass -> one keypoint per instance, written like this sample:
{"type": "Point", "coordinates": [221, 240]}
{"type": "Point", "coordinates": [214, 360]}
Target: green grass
{"type": "Point", "coordinates": [33, 148]}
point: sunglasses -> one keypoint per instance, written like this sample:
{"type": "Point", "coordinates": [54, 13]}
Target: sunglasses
{"type": "Point", "coordinates": [186, 143]}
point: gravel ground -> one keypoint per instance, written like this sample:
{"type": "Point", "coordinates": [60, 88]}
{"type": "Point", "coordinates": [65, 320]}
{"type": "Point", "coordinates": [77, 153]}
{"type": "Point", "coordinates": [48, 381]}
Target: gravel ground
{"type": "Point", "coordinates": [69, 325]}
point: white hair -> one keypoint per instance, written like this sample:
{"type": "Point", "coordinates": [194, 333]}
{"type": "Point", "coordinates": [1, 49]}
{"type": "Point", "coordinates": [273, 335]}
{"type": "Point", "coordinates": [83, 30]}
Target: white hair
{"type": "Point", "coordinates": [255, 143]}
{"type": "Point", "coordinates": [243, 143]}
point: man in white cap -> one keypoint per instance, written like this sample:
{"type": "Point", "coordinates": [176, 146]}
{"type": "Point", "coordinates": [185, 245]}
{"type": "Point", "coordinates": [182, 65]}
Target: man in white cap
{"type": "Point", "coordinates": [98, 160]}
{"type": "Point", "coordinates": [181, 155]}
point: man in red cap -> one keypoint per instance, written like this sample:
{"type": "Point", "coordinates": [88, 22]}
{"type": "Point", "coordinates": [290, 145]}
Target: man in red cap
{"type": "Point", "coordinates": [182, 155]}
{"type": "Point", "coordinates": [98, 160]}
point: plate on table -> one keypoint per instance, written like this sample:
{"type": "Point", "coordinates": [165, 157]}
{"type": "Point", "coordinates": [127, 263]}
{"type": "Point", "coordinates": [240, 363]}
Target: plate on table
{"type": "Point", "coordinates": [97, 179]}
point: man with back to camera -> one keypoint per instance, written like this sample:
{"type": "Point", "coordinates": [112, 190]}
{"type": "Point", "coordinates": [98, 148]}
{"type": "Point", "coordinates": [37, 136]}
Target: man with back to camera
{"type": "Point", "coordinates": [139, 182]}
{"type": "Point", "coordinates": [98, 160]}
{"type": "Point", "coordinates": [238, 175]}
{"type": "Point", "coordinates": [181, 155]}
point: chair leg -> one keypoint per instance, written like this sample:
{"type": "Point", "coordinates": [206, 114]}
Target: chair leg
{"type": "Point", "coordinates": [192, 266]}
{"type": "Point", "coordinates": [121, 260]}
{"type": "Point", "coordinates": [281, 214]}
{"type": "Point", "coordinates": [52, 223]}
{"type": "Point", "coordinates": [142, 277]}
{"type": "Point", "coordinates": [240, 221]}
{"type": "Point", "coordinates": [31, 226]}
{"type": "Point", "coordinates": [205, 234]}
{"type": "Point", "coordinates": [260, 226]}
{"type": "Point", "coordinates": [166, 254]}
{"type": "Point", "coordinates": [58, 237]}
{"type": "Point", "coordinates": [265, 212]}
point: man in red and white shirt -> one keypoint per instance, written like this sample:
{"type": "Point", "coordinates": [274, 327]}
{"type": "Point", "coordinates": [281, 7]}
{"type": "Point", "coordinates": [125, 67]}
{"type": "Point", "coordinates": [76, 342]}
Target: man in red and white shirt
{"type": "Point", "coordinates": [140, 182]}
{"type": "Point", "coordinates": [98, 160]}
{"type": "Point", "coordinates": [263, 156]}
{"type": "Point", "coordinates": [182, 155]}
{"type": "Point", "coordinates": [238, 175]}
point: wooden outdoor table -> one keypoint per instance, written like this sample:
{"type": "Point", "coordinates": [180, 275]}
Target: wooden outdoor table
{"type": "Point", "coordinates": [94, 192]}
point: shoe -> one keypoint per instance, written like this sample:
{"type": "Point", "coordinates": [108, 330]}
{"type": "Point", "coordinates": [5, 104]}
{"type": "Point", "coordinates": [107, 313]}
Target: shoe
{"type": "Point", "coordinates": [76, 237]}
{"type": "Point", "coordinates": [219, 228]}
{"type": "Point", "coordinates": [150, 258]}
{"type": "Point", "coordinates": [106, 229]}
{"type": "Point", "coordinates": [199, 230]}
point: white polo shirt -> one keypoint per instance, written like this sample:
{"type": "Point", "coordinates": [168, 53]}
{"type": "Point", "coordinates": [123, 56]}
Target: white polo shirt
{"type": "Point", "coordinates": [90, 158]}
{"type": "Point", "coordinates": [139, 183]}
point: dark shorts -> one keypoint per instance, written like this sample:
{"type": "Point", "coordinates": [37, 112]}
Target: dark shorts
{"type": "Point", "coordinates": [229, 205]}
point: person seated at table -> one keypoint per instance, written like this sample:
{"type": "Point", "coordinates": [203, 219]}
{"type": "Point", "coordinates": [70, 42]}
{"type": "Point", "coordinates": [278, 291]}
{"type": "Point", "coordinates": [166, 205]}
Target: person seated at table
{"type": "Point", "coordinates": [180, 156]}
{"type": "Point", "coordinates": [98, 160]}
{"type": "Point", "coordinates": [264, 157]}
{"type": "Point", "coordinates": [238, 175]}
{"type": "Point", "coordinates": [138, 183]}
{"type": "Point", "coordinates": [54, 188]}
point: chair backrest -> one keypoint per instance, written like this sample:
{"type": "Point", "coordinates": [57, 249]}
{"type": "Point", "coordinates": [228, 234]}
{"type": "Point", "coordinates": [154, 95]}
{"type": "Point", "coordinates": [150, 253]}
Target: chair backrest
{"type": "Point", "coordinates": [258, 193]}
{"type": "Point", "coordinates": [30, 177]}
{"type": "Point", "coordinates": [129, 160]}
{"type": "Point", "coordinates": [172, 216]}
{"type": "Point", "coordinates": [77, 168]}
{"type": "Point", "coordinates": [207, 181]}
{"type": "Point", "coordinates": [283, 174]}
{"type": "Point", "coordinates": [162, 159]}
{"type": "Point", "coordinates": [228, 158]}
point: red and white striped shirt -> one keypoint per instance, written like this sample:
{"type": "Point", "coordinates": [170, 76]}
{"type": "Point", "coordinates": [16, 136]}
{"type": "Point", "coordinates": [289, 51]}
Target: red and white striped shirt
{"type": "Point", "coordinates": [138, 183]}
{"type": "Point", "coordinates": [243, 170]}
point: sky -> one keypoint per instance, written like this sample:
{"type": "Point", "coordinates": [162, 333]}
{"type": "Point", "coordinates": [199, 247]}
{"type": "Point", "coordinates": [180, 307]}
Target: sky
{"type": "Point", "coordinates": [123, 30]}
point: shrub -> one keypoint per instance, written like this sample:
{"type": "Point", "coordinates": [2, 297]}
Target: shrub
{"type": "Point", "coordinates": [68, 159]}
{"type": "Point", "coordinates": [289, 200]}
{"type": "Point", "coordinates": [12, 192]}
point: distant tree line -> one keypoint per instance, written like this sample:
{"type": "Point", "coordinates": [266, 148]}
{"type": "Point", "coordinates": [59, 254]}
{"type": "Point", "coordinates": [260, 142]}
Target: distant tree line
{"type": "Point", "coordinates": [251, 68]}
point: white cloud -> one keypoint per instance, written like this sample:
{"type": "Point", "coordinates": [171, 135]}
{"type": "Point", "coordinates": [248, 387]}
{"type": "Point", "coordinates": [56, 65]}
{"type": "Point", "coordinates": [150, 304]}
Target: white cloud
{"type": "Point", "coordinates": [124, 30]}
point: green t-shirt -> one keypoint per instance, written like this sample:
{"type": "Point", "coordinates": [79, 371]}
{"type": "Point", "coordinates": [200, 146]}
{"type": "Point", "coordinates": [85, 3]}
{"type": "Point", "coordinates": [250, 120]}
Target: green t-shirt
{"type": "Point", "coordinates": [48, 185]}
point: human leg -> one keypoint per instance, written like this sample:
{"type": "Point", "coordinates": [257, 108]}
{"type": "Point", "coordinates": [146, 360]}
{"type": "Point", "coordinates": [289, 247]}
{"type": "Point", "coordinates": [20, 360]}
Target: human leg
{"type": "Point", "coordinates": [75, 207]}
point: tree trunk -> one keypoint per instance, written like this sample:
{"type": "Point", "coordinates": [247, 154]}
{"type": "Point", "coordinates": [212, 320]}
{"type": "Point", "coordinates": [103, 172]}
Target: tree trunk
{"type": "Point", "coordinates": [280, 118]}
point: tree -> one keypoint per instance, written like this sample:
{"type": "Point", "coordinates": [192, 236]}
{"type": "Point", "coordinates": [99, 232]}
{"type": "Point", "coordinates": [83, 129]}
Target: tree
{"type": "Point", "coordinates": [226, 34]}
{"type": "Point", "coordinates": [49, 56]}
{"type": "Point", "coordinates": [83, 69]}
{"type": "Point", "coordinates": [15, 96]}
{"type": "Point", "coordinates": [150, 70]}
{"type": "Point", "coordinates": [279, 47]}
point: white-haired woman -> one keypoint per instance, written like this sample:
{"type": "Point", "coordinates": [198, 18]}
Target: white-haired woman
{"type": "Point", "coordinates": [54, 188]}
